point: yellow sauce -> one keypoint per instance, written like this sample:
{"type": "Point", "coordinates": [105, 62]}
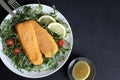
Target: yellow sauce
{"type": "Point", "coordinates": [81, 70]}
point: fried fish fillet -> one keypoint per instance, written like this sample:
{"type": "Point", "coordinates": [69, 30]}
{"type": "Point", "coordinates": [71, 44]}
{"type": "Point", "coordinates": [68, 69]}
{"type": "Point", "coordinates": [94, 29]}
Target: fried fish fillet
{"type": "Point", "coordinates": [28, 40]}
{"type": "Point", "coordinates": [47, 44]}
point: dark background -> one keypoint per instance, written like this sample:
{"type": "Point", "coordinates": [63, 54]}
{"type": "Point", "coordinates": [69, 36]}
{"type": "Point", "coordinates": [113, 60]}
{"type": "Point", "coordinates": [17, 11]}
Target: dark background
{"type": "Point", "coordinates": [96, 30]}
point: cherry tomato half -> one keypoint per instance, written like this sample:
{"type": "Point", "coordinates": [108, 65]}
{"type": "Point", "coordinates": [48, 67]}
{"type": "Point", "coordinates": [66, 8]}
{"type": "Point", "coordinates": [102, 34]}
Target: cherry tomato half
{"type": "Point", "coordinates": [10, 42]}
{"type": "Point", "coordinates": [16, 51]}
{"type": "Point", "coordinates": [60, 42]}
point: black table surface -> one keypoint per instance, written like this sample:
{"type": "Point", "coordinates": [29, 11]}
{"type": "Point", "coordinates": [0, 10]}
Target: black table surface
{"type": "Point", "coordinates": [96, 29]}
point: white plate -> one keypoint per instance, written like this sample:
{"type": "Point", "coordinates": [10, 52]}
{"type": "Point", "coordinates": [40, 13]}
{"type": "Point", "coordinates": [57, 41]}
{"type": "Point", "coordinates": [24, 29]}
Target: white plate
{"type": "Point", "coordinates": [7, 61]}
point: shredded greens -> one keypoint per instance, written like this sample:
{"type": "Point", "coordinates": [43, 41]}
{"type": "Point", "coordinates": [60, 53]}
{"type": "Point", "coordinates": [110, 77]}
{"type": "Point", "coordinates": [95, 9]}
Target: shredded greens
{"type": "Point", "coordinates": [7, 30]}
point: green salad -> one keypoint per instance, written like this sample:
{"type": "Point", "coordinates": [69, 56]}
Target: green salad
{"type": "Point", "coordinates": [12, 47]}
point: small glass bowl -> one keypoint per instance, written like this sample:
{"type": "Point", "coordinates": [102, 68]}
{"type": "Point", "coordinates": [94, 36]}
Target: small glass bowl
{"type": "Point", "coordinates": [92, 68]}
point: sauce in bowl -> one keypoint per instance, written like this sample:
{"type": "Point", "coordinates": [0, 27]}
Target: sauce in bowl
{"type": "Point", "coordinates": [81, 70]}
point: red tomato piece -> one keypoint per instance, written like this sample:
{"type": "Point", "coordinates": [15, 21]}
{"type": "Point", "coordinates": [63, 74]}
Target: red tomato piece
{"type": "Point", "coordinates": [16, 51]}
{"type": "Point", "coordinates": [61, 43]}
{"type": "Point", "coordinates": [10, 42]}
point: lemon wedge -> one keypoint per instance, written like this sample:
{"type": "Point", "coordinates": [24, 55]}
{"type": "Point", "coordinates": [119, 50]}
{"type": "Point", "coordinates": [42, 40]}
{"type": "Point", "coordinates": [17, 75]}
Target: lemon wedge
{"type": "Point", "coordinates": [81, 70]}
{"type": "Point", "coordinates": [57, 28]}
{"type": "Point", "coordinates": [46, 19]}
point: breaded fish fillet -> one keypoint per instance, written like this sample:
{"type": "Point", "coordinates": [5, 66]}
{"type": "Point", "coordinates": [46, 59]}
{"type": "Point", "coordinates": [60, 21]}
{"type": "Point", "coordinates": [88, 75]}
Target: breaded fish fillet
{"type": "Point", "coordinates": [28, 40]}
{"type": "Point", "coordinates": [46, 42]}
